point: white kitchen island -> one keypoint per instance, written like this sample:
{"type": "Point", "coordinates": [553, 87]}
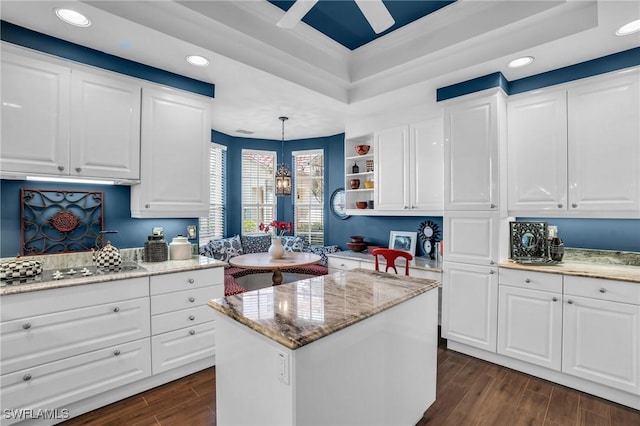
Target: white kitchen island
{"type": "Point", "coordinates": [350, 348]}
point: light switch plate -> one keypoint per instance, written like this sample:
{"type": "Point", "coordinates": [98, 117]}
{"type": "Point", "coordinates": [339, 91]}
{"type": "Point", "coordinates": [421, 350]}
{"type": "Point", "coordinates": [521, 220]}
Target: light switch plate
{"type": "Point", "coordinates": [191, 232]}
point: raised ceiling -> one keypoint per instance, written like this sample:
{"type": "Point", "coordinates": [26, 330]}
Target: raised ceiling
{"type": "Point", "coordinates": [262, 71]}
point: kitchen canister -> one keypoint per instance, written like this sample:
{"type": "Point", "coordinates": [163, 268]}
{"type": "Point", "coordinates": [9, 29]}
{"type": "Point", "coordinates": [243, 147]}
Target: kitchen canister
{"type": "Point", "coordinates": [20, 268]}
{"type": "Point", "coordinates": [156, 249]}
{"type": "Point", "coordinates": [180, 248]}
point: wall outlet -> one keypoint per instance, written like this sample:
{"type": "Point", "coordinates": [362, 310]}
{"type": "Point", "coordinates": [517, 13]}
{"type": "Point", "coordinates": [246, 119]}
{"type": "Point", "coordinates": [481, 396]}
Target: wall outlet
{"type": "Point", "coordinates": [283, 367]}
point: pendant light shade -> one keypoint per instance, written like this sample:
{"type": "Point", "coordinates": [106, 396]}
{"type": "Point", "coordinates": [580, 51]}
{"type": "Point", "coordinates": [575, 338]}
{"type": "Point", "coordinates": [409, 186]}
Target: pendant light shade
{"type": "Point", "coordinates": [283, 174]}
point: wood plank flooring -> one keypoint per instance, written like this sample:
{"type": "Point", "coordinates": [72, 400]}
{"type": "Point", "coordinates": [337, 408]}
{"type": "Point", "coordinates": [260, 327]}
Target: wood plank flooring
{"type": "Point", "coordinates": [469, 392]}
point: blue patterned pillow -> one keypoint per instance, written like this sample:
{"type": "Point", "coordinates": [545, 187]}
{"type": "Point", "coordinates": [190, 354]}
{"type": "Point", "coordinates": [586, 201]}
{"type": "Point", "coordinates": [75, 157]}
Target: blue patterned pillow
{"type": "Point", "coordinates": [291, 243]}
{"type": "Point", "coordinates": [222, 249]}
{"type": "Point", "coordinates": [255, 243]}
{"type": "Point", "coordinates": [322, 252]}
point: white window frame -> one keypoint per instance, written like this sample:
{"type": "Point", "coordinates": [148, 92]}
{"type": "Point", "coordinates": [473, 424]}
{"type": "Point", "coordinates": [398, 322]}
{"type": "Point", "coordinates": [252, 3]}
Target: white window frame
{"type": "Point", "coordinates": [267, 190]}
{"type": "Point", "coordinates": [213, 226]}
{"type": "Point", "coordinates": [312, 209]}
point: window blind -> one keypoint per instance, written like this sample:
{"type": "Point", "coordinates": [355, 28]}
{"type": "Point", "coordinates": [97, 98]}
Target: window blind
{"type": "Point", "coordinates": [213, 225]}
{"type": "Point", "coordinates": [258, 189]}
{"type": "Point", "coordinates": [308, 188]}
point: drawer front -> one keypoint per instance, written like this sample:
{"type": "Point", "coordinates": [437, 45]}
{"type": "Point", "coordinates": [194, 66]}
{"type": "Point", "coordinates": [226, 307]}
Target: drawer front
{"type": "Point", "coordinates": [531, 280]}
{"type": "Point", "coordinates": [79, 296]}
{"type": "Point", "coordinates": [169, 302]}
{"type": "Point", "coordinates": [186, 280]}
{"type": "Point", "coordinates": [184, 346]}
{"type": "Point", "coordinates": [179, 319]}
{"type": "Point", "coordinates": [342, 264]}
{"type": "Point", "coordinates": [37, 340]}
{"type": "Point", "coordinates": [61, 383]}
{"type": "Point", "coordinates": [596, 288]}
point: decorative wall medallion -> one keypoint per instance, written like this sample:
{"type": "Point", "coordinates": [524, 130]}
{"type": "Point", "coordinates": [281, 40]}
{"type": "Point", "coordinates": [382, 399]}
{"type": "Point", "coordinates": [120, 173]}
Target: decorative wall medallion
{"type": "Point", "coordinates": [60, 221]}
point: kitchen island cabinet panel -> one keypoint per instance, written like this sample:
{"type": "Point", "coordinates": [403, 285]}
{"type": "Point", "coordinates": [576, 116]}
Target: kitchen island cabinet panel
{"type": "Point", "coordinates": [174, 159]}
{"type": "Point", "coordinates": [183, 346]}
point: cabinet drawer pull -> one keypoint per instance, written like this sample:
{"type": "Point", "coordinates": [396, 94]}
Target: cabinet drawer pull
{"type": "Point", "coordinates": [26, 377]}
{"type": "Point", "coordinates": [554, 299]}
{"type": "Point", "coordinates": [78, 169]}
{"type": "Point", "coordinates": [342, 264]}
{"type": "Point", "coordinates": [116, 352]}
{"type": "Point", "coordinates": [492, 272]}
{"type": "Point", "coordinates": [527, 280]}
{"type": "Point", "coordinates": [491, 262]}
{"type": "Point", "coordinates": [26, 326]}
{"type": "Point", "coordinates": [191, 280]}
{"type": "Point", "coordinates": [61, 168]}
{"type": "Point", "coordinates": [191, 317]}
{"type": "Point", "coordinates": [192, 332]}
{"type": "Point", "coordinates": [192, 299]}
{"type": "Point", "coordinates": [493, 206]}
{"type": "Point", "coordinates": [570, 302]}
{"type": "Point", "coordinates": [603, 290]}
{"type": "Point", "coordinates": [116, 309]}
{"type": "Point", "coordinates": [146, 206]}
{"type": "Point", "coordinates": [574, 205]}
{"type": "Point", "coordinates": [560, 205]}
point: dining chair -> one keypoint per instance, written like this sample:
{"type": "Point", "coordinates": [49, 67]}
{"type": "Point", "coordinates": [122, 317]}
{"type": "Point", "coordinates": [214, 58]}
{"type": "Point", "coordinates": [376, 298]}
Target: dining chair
{"type": "Point", "coordinates": [390, 256]}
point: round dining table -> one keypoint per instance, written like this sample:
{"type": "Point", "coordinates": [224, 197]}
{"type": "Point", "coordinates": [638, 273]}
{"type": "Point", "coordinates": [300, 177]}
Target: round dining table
{"type": "Point", "coordinates": [265, 261]}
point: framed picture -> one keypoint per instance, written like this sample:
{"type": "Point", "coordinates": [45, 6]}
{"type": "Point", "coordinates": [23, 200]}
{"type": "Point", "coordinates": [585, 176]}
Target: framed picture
{"type": "Point", "coordinates": [401, 240]}
{"type": "Point", "coordinates": [529, 241]}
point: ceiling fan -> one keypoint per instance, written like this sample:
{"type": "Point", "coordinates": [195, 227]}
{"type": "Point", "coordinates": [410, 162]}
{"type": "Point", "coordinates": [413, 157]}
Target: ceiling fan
{"type": "Point", "coordinates": [373, 10]}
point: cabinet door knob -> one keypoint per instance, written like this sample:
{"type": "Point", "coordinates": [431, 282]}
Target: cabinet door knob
{"type": "Point", "coordinates": [61, 168]}
{"type": "Point", "coordinates": [492, 272]}
{"type": "Point", "coordinates": [554, 299]}
{"type": "Point", "coordinates": [560, 205]}
{"type": "Point", "coordinates": [116, 309]}
{"type": "Point", "coordinates": [26, 326]}
{"type": "Point", "coordinates": [603, 290]}
{"type": "Point", "coordinates": [574, 205]}
{"type": "Point", "coordinates": [116, 352]}
{"type": "Point", "coordinates": [493, 206]}
{"type": "Point", "coordinates": [491, 262]}
{"type": "Point", "coordinates": [146, 206]}
{"type": "Point", "coordinates": [191, 280]}
{"type": "Point", "coordinates": [527, 280]}
{"type": "Point", "coordinates": [191, 299]}
{"type": "Point", "coordinates": [406, 207]}
{"type": "Point", "coordinates": [78, 169]}
{"type": "Point", "coordinates": [570, 302]}
{"type": "Point", "coordinates": [191, 317]}
{"type": "Point", "coordinates": [192, 332]}
{"type": "Point", "coordinates": [26, 377]}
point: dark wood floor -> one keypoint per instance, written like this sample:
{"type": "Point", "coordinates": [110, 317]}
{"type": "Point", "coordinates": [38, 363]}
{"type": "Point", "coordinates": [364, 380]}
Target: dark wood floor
{"type": "Point", "coordinates": [469, 392]}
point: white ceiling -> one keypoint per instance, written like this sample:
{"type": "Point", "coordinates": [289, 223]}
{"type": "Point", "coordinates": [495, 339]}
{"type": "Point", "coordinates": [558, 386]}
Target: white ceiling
{"type": "Point", "coordinates": [262, 72]}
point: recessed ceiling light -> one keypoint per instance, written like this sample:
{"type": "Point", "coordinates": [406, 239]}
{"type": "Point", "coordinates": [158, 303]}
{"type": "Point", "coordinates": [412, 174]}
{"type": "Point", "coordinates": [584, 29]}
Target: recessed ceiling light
{"type": "Point", "coordinates": [199, 61]}
{"type": "Point", "coordinates": [520, 62]}
{"type": "Point", "coordinates": [630, 28]}
{"type": "Point", "coordinates": [72, 17]}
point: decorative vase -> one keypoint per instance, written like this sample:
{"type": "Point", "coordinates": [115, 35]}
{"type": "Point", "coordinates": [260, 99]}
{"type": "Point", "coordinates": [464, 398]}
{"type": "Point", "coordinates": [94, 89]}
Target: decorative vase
{"type": "Point", "coordinates": [276, 251]}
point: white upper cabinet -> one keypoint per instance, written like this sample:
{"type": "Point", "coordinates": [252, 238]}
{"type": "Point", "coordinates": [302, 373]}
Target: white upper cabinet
{"type": "Point", "coordinates": [471, 237]}
{"type": "Point", "coordinates": [537, 152]}
{"type": "Point", "coordinates": [64, 121]}
{"type": "Point", "coordinates": [35, 116]}
{"type": "Point", "coordinates": [409, 168]}
{"type": "Point", "coordinates": [604, 144]}
{"type": "Point", "coordinates": [105, 127]}
{"type": "Point", "coordinates": [576, 151]}
{"type": "Point", "coordinates": [472, 131]}
{"type": "Point", "coordinates": [175, 144]}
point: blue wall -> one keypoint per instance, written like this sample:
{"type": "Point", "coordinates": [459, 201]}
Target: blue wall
{"type": "Point", "coordinates": [117, 216]}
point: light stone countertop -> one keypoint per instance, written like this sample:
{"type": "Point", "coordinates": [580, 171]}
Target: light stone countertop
{"type": "Point", "coordinates": [420, 261]}
{"type": "Point", "coordinates": [149, 269]}
{"type": "Point", "coordinates": [332, 302]}
{"type": "Point", "coordinates": [591, 270]}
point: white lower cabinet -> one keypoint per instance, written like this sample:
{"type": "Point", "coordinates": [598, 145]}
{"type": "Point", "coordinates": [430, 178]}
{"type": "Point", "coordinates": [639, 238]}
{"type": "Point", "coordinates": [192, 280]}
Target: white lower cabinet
{"type": "Point", "coordinates": [68, 380]}
{"type": "Point", "coordinates": [469, 305]}
{"type": "Point", "coordinates": [182, 325]}
{"type": "Point", "coordinates": [602, 332]}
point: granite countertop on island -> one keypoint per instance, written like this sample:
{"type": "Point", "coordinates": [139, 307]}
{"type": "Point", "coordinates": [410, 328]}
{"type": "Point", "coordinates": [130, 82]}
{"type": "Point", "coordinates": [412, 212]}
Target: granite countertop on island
{"type": "Point", "coordinates": [77, 260]}
{"type": "Point", "coordinates": [302, 312]}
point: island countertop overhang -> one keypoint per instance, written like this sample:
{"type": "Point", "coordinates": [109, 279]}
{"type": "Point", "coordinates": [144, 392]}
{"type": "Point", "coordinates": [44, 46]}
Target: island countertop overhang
{"type": "Point", "coordinates": [299, 313]}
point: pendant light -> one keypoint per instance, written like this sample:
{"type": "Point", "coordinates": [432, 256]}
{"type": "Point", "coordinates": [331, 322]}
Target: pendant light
{"type": "Point", "coordinates": [283, 174]}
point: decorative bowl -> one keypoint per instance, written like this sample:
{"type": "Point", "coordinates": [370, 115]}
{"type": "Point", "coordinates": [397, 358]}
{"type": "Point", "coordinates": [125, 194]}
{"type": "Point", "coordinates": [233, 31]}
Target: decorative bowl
{"type": "Point", "coordinates": [362, 149]}
{"type": "Point", "coordinates": [357, 238]}
{"type": "Point", "coordinates": [368, 184]}
{"type": "Point", "coordinates": [357, 246]}
{"type": "Point", "coordinates": [355, 183]}
{"type": "Point", "coordinates": [361, 204]}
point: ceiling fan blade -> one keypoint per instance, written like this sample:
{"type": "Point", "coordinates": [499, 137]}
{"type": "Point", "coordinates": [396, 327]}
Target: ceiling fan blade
{"type": "Point", "coordinates": [377, 14]}
{"type": "Point", "coordinates": [296, 13]}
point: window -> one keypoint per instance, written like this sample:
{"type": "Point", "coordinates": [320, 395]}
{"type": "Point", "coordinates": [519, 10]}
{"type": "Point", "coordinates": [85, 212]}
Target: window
{"type": "Point", "coordinates": [308, 211]}
{"type": "Point", "coordinates": [258, 189]}
{"type": "Point", "coordinates": [212, 226]}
